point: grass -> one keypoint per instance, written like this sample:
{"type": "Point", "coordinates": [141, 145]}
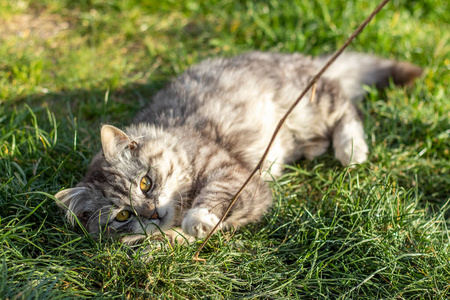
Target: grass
{"type": "Point", "coordinates": [376, 231]}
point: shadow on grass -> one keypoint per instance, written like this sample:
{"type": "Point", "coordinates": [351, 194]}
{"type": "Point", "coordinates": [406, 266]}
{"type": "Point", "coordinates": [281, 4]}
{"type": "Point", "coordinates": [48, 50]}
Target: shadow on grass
{"type": "Point", "coordinates": [97, 105]}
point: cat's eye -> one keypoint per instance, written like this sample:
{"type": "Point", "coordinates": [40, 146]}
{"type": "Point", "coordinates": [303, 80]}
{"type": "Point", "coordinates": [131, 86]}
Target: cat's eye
{"type": "Point", "coordinates": [123, 215]}
{"type": "Point", "coordinates": [146, 184]}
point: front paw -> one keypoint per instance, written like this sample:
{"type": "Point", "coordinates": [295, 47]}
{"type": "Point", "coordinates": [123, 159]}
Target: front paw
{"type": "Point", "coordinates": [352, 152]}
{"type": "Point", "coordinates": [199, 222]}
{"type": "Point", "coordinates": [178, 236]}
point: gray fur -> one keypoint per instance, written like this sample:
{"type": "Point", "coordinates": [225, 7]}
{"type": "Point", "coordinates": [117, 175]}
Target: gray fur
{"type": "Point", "coordinates": [202, 135]}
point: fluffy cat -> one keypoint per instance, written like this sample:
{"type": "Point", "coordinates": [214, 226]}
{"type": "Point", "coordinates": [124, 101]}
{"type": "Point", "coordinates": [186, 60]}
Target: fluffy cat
{"type": "Point", "coordinates": [189, 151]}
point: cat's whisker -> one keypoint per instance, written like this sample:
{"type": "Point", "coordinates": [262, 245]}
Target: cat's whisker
{"type": "Point", "coordinates": [181, 205]}
{"type": "Point", "coordinates": [95, 214]}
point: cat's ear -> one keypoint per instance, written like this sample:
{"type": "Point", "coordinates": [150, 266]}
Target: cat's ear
{"type": "Point", "coordinates": [72, 202]}
{"type": "Point", "coordinates": [114, 141]}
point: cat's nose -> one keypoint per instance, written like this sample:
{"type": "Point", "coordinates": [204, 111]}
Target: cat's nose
{"type": "Point", "coordinates": [155, 215]}
{"type": "Point", "coordinates": [150, 214]}
{"type": "Point", "coordinates": [148, 211]}
{"type": "Point", "coordinates": [151, 207]}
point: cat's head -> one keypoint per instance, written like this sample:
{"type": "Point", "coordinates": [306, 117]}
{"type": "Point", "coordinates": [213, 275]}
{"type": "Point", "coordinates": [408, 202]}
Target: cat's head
{"type": "Point", "coordinates": [136, 184]}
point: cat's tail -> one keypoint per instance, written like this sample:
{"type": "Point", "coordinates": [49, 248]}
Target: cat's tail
{"type": "Point", "coordinates": [357, 69]}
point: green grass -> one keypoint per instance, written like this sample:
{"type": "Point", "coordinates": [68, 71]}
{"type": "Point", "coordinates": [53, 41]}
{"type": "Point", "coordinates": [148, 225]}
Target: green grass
{"type": "Point", "coordinates": [376, 231]}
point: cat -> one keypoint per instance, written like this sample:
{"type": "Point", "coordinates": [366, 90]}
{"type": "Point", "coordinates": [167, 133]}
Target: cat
{"type": "Point", "coordinates": [188, 152]}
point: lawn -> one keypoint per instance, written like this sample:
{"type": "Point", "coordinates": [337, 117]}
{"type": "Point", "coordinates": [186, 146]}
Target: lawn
{"type": "Point", "coordinates": [379, 230]}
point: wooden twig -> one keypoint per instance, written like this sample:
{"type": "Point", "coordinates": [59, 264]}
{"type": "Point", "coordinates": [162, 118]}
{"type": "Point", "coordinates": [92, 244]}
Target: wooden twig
{"type": "Point", "coordinates": [283, 119]}
{"type": "Point", "coordinates": [313, 93]}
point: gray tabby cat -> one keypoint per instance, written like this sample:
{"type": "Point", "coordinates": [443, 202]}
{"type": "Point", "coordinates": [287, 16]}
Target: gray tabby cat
{"type": "Point", "coordinates": [190, 150]}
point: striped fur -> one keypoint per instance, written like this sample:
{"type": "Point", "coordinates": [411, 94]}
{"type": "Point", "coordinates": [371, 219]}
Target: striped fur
{"type": "Point", "coordinates": [202, 135]}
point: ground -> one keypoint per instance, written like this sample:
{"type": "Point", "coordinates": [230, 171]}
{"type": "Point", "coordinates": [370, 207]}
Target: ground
{"type": "Point", "coordinates": [379, 230]}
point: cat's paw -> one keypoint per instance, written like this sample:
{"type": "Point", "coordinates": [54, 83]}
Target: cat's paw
{"type": "Point", "coordinates": [352, 152]}
{"type": "Point", "coordinates": [178, 236]}
{"type": "Point", "coordinates": [199, 222]}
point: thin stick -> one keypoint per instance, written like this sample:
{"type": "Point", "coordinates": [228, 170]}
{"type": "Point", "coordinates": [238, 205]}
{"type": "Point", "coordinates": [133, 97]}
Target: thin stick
{"type": "Point", "coordinates": [313, 93]}
{"type": "Point", "coordinates": [283, 119]}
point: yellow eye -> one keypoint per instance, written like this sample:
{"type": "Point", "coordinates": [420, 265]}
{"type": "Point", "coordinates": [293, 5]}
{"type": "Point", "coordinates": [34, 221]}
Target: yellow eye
{"type": "Point", "coordinates": [123, 216]}
{"type": "Point", "coordinates": [146, 184]}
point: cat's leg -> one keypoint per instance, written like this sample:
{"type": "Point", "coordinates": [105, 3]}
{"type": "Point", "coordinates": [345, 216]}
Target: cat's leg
{"type": "Point", "coordinates": [212, 201]}
{"type": "Point", "coordinates": [315, 147]}
{"type": "Point", "coordinates": [348, 139]}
